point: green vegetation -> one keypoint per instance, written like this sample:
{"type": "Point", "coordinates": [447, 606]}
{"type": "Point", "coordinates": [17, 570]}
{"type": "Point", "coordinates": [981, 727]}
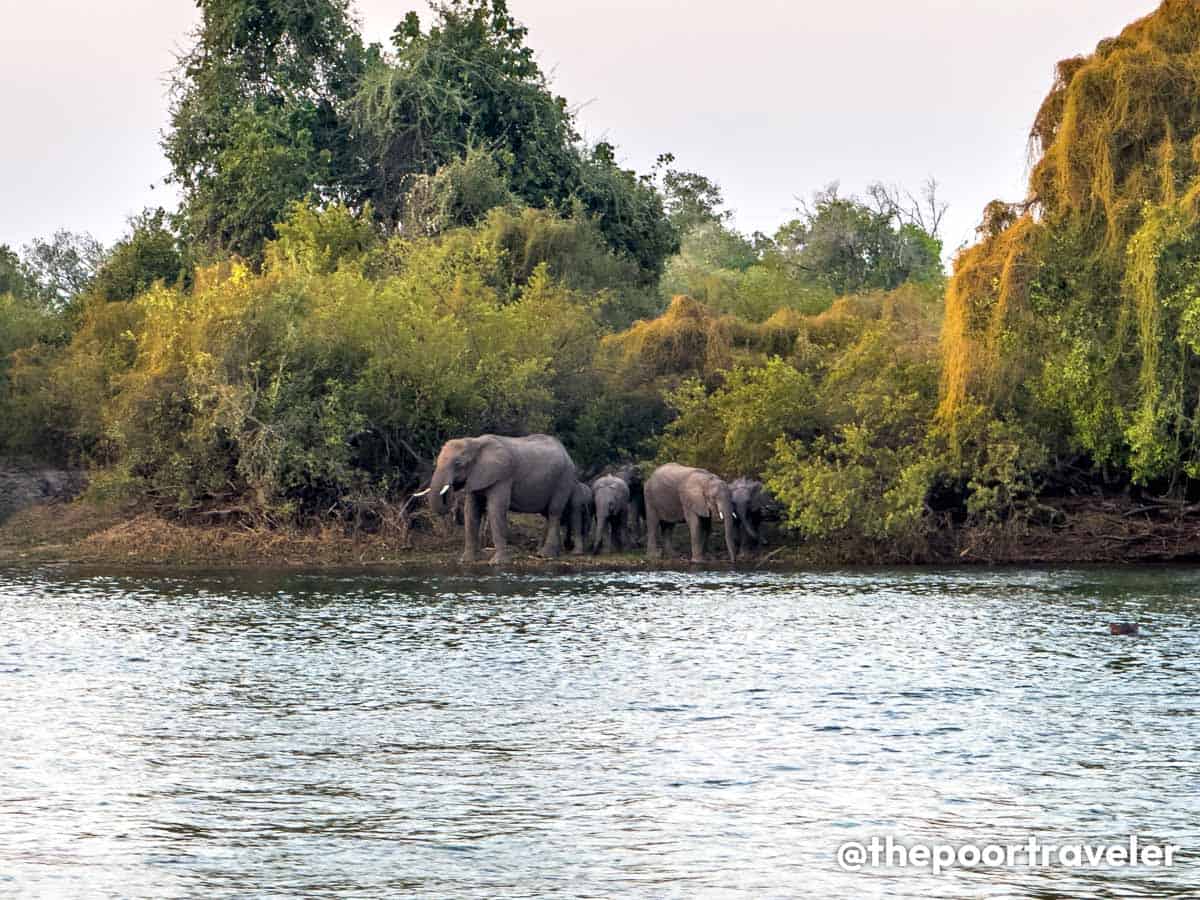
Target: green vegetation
{"type": "Point", "coordinates": [379, 249]}
{"type": "Point", "coordinates": [1073, 315]}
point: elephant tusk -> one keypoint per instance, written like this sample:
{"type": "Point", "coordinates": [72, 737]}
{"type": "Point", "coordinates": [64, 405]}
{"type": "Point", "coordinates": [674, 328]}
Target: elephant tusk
{"type": "Point", "coordinates": [444, 491]}
{"type": "Point", "coordinates": [735, 518]}
{"type": "Point", "coordinates": [722, 515]}
{"type": "Point", "coordinates": [422, 493]}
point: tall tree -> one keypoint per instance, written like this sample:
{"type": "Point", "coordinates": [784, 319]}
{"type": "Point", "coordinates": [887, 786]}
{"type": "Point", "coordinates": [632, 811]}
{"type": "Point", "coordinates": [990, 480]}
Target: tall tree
{"type": "Point", "coordinates": [691, 199]}
{"type": "Point", "coordinates": [471, 84]}
{"type": "Point", "coordinates": [847, 246]}
{"type": "Point", "coordinates": [62, 267]}
{"type": "Point", "coordinates": [469, 81]}
{"type": "Point", "coordinates": [255, 119]}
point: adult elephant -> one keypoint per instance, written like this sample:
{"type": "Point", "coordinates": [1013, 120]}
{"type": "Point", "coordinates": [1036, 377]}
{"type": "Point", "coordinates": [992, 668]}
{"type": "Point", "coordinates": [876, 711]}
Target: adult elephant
{"type": "Point", "coordinates": [676, 493]}
{"type": "Point", "coordinates": [532, 474]}
{"type": "Point", "coordinates": [751, 503]}
{"type": "Point", "coordinates": [610, 495]}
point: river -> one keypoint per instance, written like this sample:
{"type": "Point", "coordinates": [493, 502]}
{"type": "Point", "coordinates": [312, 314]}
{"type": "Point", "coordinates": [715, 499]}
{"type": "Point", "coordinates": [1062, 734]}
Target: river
{"type": "Point", "coordinates": [591, 735]}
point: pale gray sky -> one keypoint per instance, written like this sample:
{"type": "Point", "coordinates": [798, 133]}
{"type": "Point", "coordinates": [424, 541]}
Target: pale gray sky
{"type": "Point", "coordinates": [771, 98]}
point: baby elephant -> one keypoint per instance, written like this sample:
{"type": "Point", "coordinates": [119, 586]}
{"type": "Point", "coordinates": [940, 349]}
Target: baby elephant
{"type": "Point", "coordinates": [676, 493]}
{"type": "Point", "coordinates": [577, 518]}
{"type": "Point", "coordinates": [636, 513]}
{"type": "Point", "coordinates": [751, 503]}
{"type": "Point", "coordinates": [610, 494]}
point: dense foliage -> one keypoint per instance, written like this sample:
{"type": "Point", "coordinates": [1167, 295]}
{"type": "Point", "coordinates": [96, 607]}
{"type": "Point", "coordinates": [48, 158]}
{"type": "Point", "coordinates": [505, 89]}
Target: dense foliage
{"type": "Point", "coordinates": [379, 249]}
{"type": "Point", "coordinates": [1077, 308]}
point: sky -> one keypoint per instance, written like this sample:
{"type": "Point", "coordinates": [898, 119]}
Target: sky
{"type": "Point", "coordinates": [772, 99]}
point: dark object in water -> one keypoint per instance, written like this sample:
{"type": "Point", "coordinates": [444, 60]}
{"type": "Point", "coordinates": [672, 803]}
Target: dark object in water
{"type": "Point", "coordinates": [1124, 628]}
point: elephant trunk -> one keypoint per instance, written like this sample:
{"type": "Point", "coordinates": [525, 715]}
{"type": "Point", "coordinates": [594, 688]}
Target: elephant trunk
{"type": "Point", "coordinates": [730, 519]}
{"type": "Point", "coordinates": [601, 513]}
{"type": "Point", "coordinates": [742, 507]}
{"type": "Point", "coordinates": [439, 489]}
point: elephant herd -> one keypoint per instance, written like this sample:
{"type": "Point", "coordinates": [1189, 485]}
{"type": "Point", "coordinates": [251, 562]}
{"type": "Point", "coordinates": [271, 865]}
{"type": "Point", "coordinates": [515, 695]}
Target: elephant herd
{"type": "Point", "coordinates": [495, 475]}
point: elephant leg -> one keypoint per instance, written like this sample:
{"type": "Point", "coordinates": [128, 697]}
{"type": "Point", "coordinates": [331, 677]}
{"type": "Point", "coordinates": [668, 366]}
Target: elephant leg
{"type": "Point", "coordinates": [472, 511]}
{"type": "Point", "coordinates": [485, 525]}
{"type": "Point", "coordinates": [667, 529]}
{"type": "Point", "coordinates": [619, 530]}
{"type": "Point", "coordinates": [552, 545]}
{"type": "Point", "coordinates": [652, 533]}
{"type": "Point", "coordinates": [497, 509]}
{"type": "Point", "coordinates": [578, 519]}
{"type": "Point", "coordinates": [696, 527]}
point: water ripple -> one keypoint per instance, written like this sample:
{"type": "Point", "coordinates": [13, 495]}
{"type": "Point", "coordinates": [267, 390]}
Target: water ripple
{"type": "Point", "coordinates": [646, 734]}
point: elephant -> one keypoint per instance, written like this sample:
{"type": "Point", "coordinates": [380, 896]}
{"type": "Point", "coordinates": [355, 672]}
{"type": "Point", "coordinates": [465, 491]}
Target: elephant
{"type": "Point", "coordinates": [611, 498]}
{"type": "Point", "coordinates": [676, 493]}
{"type": "Point", "coordinates": [533, 474]}
{"type": "Point", "coordinates": [577, 518]}
{"type": "Point", "coordinates": [636, 515]}
{"type": "Point", "coordinates": [752, 503]}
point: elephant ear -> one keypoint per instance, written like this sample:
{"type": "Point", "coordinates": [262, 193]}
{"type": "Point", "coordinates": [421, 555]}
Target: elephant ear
{"type": "Point", "coordinates": [492, 463]}
{"type": "Point", "coordinates": [712, 489]}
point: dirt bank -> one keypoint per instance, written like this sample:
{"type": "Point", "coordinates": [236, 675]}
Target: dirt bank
{"type": "Point", "coordinates": [78, 533]}
{"type": "Point", "coordinates": [1089, 530]}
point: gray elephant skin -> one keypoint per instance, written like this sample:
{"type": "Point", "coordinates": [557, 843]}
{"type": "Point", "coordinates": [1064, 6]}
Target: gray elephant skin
{"type": "Point", "coordinates": [533, 474]}
{"type": "Point", "coordinates": [577, 518]}
{"type": "Point", "coordinates": [610, 495]}
{"type": "Point", "coordinates": [676, 493]}
{"type": "Point", "coordinates": [751, 502]}
{"type": "Point", "coordinates": [636, 514]}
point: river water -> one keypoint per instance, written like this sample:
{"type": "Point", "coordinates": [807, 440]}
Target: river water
{"type": "Point", "coordinates": [595, 735]}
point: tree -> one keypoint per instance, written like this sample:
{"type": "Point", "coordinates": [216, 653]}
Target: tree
{"type": "Point", "coordinates": [62, 267]}
{"type": "Point", "coordinates": [13, 277]}
{"type": "Point", "coordinates": [1076, 310]}
{"type": "Point", "coordinates": [924, 211]}
{"type": "Point", "coordinates": [149, 253]}
{"type": "Point", "coordinates": [691, 199]}
{"type": "Point", "coordinates": [844, 244]}
{"type": "Point", "coordinates": [628, 209]}
{"type": "Point", "coordinates": [460, 193]}
{"type": "Point", "coordinates": [255, 115]}
{"type": "Point", "coordinates": [469, 81]}
{"type": "Point", "coordinates": [470, 85]}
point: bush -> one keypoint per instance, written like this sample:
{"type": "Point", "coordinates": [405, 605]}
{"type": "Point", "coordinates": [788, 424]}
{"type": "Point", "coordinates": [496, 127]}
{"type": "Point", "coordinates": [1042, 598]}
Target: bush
{"type": "Point", "coordinates": [313, 380]}
{"type": "Point", "coordinates": [150, 253]}
{"type": "Point", "coordinates": [459, 194]}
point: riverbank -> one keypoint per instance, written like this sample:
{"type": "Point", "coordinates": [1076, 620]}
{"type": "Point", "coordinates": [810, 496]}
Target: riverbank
{"type": "Point", "coordinates": [1088, 530]}
{"type": "Point", "coordinates": [83, 534]}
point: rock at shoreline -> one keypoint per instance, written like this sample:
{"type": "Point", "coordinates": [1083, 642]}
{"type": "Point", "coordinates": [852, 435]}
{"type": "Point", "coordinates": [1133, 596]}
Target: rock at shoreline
{"type": "Point", "coordinates": [21, 487]}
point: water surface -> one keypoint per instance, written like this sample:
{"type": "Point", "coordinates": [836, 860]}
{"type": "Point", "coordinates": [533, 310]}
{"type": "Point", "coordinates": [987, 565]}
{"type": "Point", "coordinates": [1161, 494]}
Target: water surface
{"type": "Point", "coordinates": [598, 735]}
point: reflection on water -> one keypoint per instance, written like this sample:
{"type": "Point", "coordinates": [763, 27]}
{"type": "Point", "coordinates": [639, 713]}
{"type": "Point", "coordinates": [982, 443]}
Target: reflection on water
{"type": "Point", "coordinates": [589, 735]}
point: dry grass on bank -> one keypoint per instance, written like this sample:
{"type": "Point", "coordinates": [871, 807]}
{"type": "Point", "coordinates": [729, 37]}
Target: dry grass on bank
{"type": "Point", "coordinates": [1092, 530]}
{"type": "Point", "coordinates": [81, 533]}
